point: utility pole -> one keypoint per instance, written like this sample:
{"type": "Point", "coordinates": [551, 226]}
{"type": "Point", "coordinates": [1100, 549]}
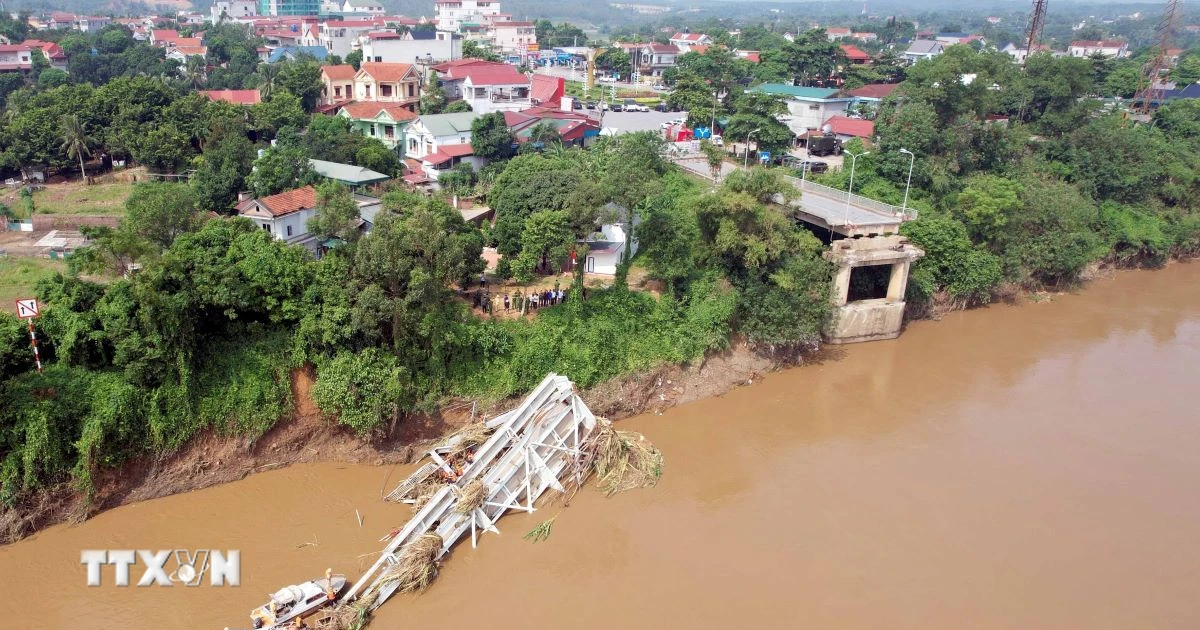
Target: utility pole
{"type": "Point", "coordinates": [1036, 21]}
{"type": "Point", "coordinates": [1150, 86]}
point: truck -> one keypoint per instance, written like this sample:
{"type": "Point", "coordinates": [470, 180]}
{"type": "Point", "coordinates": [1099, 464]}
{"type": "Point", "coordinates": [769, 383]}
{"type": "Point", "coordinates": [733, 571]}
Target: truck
{"type": "Point", "coordinates": [824, 145]}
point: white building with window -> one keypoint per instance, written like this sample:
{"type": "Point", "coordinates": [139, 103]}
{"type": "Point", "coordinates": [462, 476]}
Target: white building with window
{"type": "Point", "coordinates": [1106, 48]}
{"type": "Point", "coordinates": [233, 10]}
{"type": "Point", "coordinates": [452, 15]}
{"type": "Point", "coordinates": [284, 216]}
{"type": "Point", "coordinates": [422, 46]}
{"type": "Point", "coordinates": [808, 107]}
{"type": "Point", "coordinates": [486, 86]}
{"type": "Point", "coordinates": [512, 37]}
{"type": "Point", "coordinates": [441, 141]}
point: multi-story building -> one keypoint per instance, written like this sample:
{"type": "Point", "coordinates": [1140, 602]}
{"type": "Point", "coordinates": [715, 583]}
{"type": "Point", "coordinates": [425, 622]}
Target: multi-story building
{"type": "Point", "coordinates": [337, 84]}
{"type": "Point", "coordinates": [379, 120]}
{"type": "Point", "coordinates": [233, 10]}
{"type": "Point", "coordinates": [512, 37]}
{"type": "Point", "coordinates": [289, 7]}
{"type": "Point", "coordinates": [653, 59]}
{"type": "Point", "coordinates": [284, 216]}
{"type": "Point", "coordinates": [685, 42]}
{"type": "Point", "coordinates": [340, 36]}
{"type": "Point", "coordinates": [808, 107]}
{"type": "Point", "coordinates": [453, 15]}
{"type": "Point", "coordinates": [425, 47]}
{"type": "Point", "coordinates": [363, 7]}
{"type": "Point", "coordinates": [16, 58]}
{"type": "Point", "coordinates": [486, 86]}
{"type": "Point", "coordinates": [438, 142]}
{"type": "Point", "coordinates": [397, 83]}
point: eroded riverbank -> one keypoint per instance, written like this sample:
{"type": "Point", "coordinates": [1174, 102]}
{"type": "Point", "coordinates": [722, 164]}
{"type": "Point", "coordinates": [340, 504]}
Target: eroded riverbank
{"type": "Point", "coordinates": [1011, 467]}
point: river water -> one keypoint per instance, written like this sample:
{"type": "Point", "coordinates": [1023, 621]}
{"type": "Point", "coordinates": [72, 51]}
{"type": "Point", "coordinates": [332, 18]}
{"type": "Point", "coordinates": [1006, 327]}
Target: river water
{"type": "Point", "coordinates": [1011, 467]}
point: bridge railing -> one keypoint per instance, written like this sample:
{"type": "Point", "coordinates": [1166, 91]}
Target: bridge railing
{"type": "Point", "coordinates": [907, 214]}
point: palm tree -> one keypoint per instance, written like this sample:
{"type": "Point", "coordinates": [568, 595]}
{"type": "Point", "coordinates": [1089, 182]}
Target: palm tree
{"type": "Point", "coordinates": [267, 73]}
{"type": "Point", "coordinates": [75, 140]}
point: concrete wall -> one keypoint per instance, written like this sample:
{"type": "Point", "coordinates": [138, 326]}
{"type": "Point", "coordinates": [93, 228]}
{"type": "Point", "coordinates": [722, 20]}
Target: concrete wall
{"type": "Point", "coordinates": [47, 222]}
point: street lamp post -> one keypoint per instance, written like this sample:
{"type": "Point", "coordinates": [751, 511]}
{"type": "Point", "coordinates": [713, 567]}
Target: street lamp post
{"type": "Point", "coordinates": [912, 159]}
{"type": "Point", "coordinates": [713, 124]}
{"type": "Point", "coordinates": [850, 188]}
{"type": "Point", "coordinates": [746, 164]}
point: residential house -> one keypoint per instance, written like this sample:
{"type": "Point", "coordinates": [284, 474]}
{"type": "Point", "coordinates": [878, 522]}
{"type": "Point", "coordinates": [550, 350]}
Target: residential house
{"type": "Point", "coordinates": [652, 59]}
{"type": "Point", "coordinates": [1108, 48]}
{"type": "Point", "coordinates": [865, 36]}
{"type": "Point", "coordinates": [363, 7]}
{"type": "Point", "coordinates": [234, 97]}
{"type": "Point", "coordinates": [16, 58]}
{"type": "Point", "coordinates": [950, 39]}
{"type": "Point", "coordinates": [576, 130]}
{"type": "Point", "coordinates": [512, 37]}
{"type": "Point", "coordinates": [290, 53]}
{"type": "Point", "coordinates": [486, 86]}
{"type": "Point", "coordinates": [687, 42]}
{"type": "Point", "coordinates": [235, 10]}
{"type": "Point", "coordinates": [181, 53]}
{"type": "Point", "coordinates": [749, 55]}
{"type": "Point", "coordinates": [60, 20]}
{"type": "Point", "coordinates": [847, 129]}
{"type": "Point", "coordinates": [285, 216]}
{"type": "Point", "coordinates": [388, 83]}
{"type": "Point", "coordinates": [873, 92]}
{"type": "Point", "coordinates": [337, 84]}
{"type": "Point", "coordinates": [923, 49]}
{"type": "Point", "coordinates": [1020, 53]}
{"type": "Point", "coordinates": [453, 15]}
{"type": "Point", "coordinates": [52, 51]}
{"type": "Point", "coordinates": [438, 142]}
{"type": "Point", "coordinates": [834, 33]}
{"type": "Point", "coordinates": [353, 177]}
{"type": "Point", "coordinates": [808, 107]}
{"type": "Point", "coordinates": [606, 248]}
{"type": "Point", "coordinates": [547, 91]}
{"type": "Point", "coordinates": [163, 37]}
{"type": "Point", "coordinates": [91, 23]}
{"type": "Point", "coordinates": [340, 37]}
{"type": "Point", "coordinates": [855, 55]}
{"type": "Point", "coordinates": [426, 47]}
{"type": "Point", "coordinates": [379, 120]}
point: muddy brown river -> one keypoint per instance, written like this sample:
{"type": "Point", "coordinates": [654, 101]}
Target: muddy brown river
{"type": "Point", "coordinates": [1012, 467]}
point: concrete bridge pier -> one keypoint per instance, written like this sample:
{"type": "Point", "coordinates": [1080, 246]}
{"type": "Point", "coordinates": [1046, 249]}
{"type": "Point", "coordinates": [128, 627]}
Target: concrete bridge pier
{"type": "Point", "coordinates": [876, 318]}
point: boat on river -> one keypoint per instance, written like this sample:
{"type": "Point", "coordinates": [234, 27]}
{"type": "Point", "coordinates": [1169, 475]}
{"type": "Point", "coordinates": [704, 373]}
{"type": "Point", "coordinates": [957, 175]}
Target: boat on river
{"type": "Point", "coordinates": [297, 600]}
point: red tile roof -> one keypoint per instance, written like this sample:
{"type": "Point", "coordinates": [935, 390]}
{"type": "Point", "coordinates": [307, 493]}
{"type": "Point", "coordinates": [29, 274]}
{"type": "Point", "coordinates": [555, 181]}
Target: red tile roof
{"type": "Point", "coordinates": [192, 51]}
{"type": "Point", "coordinates": [875, 90]}
{"type": "Point", "coordinates": [699, 48]}
{"type": "Point", "coordinates": [436, 158]}
{"type": "Point", "coordinates": [343, 72]}
{"type": "Point", "coordinates": [459, 63]}
{"type": "Point", "coordinates": [1107, 43]}
{"type": "Point", "coordinates": [237, 97]}
{"type": "Point", "coordinates": [289, 202]}
{"type": "Point", "coordinates": [50, 49]}
{"type": "Point", "coordinates": [664, 49]}
{"type": "Point", "coordinates": [456, 150]}
{"type": "Point", "coordinates": [851, 127]}
{"type": "Point", "coordinates": [853, 53]}
{"type": "Point", "coordinates": [688, 37]}
{"type": "Point", "coordinates": [188, 41]}
{"type": "Point", "coordinates": [366, 110]}
{"type": "Point", "coordinates": [547, 89]}
{"type": "Point", "coordinates": [387, 72]}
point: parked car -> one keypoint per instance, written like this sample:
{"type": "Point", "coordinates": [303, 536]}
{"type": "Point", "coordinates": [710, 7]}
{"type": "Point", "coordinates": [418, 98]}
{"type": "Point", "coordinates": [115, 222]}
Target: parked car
{"type": "Point", "coordinates": [616, 107]}
{"type": "Point", "coordinates": [662, 107]}
{"type": "Point", "coordinates": [576, 104]}
{"type": "Point", "coordinates": [591, 105]}
{"type": "Point", "coordinates": [634, 106]}
{"type": "Point", "coordinates": [717, 140]}
{"type": "Point", "coordinates": [660, 87]}
{"type": "Point", "coordinates": [608, 79]}
{"type": "Point", "coordinates": [812, 166]}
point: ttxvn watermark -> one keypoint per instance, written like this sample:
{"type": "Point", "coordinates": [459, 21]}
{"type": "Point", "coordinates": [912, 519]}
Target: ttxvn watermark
{"type": "Point", "coordinates": [166, 567]}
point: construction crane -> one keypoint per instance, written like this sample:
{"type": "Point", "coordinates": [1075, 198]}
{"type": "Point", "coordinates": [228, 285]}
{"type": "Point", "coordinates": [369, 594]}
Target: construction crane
{"type": "Point", "coordinates": [1036, 21]}
{"type": "Point", "coordinates": [1150, 85]}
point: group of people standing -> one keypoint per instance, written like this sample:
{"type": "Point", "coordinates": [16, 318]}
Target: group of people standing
{"type": "Point", "coordinates": [517, 301]}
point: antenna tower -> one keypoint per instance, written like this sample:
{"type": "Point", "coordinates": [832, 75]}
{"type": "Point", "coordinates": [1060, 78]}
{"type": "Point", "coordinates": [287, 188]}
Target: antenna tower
{"type": "Point", "coordinates": [1036, 21]}
{"type": "Point", "coordinates": [1150, 87]}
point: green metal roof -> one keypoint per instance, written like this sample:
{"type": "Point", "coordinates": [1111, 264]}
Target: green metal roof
{"type": "Point", "coordinates": [347, 173]}
{"type": "Point", "coordinates": [449, 124]}
{"type": "Point", "coordinates": [795, 91]}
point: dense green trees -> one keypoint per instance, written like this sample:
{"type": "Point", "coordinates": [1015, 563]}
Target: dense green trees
{"type": "Point", "coordinates": [491, 139]}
